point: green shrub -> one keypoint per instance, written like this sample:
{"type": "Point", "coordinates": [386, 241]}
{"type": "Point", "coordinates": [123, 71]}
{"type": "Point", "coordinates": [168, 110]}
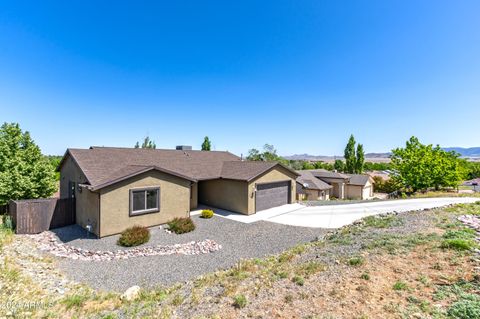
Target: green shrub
{"type": "Point", "coordinates": [465, 309]}
{"type": "Point", "coordinates": [356, 261]}
{"type": "Point", "coordinates": [7, 222]}
{"type": "Point", "coordinates": [298, 280]}
{"type": "Point", "coordinates": [400, 285]}
{"type": "Point", "coordinates": [134, 236]}
{"type": "Point", "coordinates": [365, 276]}
{"type": "Point", "coordinates": [458, 244]}
{"type": "Point", "coordinates": [207, 213]}
{"type": "Point", "coordinates": [181, 225]}
{"type": "Point", "coordinates": [240, 301]}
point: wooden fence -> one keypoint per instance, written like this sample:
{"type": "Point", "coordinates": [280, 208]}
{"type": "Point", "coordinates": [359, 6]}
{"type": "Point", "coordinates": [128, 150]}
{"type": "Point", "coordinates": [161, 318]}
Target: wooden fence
{"type": "Point", "coordinates": [32, 216]}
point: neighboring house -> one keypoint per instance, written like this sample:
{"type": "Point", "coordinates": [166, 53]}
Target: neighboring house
{"type": "Point", "coordinates": [474, 183]}
{"type": "Point", "coordinates": [342, 186]}
{"type": "Point", "coordinates": [115, 188]}
{"type": "Point", "coordinates": [311, 188]}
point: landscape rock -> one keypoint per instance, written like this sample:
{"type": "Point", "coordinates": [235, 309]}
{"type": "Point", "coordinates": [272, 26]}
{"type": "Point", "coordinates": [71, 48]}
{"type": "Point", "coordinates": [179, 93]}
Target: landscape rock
{"type": "Point", "coordinates": [47, 241]}
{"type": "Point", "coordinates": [131, 293]}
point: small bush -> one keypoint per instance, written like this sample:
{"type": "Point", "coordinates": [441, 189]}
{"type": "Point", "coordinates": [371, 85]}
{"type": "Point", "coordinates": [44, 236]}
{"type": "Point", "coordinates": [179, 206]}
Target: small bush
{"type": "Point", "coordinates": [298, 280]}
{"type": "Point", "coordinates": [400, 285]}
{"type": "Point", "coordinates": [356, 261]}
{"type": "Point", "coordinates": [458, 244]}
{"type": "Point", "coordinates": [240, 301]}
{"type": "Point", "coordinates": [207, 213]}
{"type": "Point", "coordinates": [134, 236]}
{"type": "Point", "coordinates": [465, 309]}
{"type": "Point", "coordinates": [365, 276]}
{"type": "Point", "coordinates": [7, 222]}
{"type": "Point", "coordinates": [181, 225]}
{"type": "Point", "coordinates": [74, 301]}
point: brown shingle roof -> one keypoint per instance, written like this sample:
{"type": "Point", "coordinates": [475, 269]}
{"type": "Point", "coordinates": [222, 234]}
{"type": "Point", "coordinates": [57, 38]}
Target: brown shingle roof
{"type": "Point", "coordinates": [309, 181]}
{"type": "Point", "coordinates": [358, 179]}
{"type": "Point", "coordinates": [104, 166]}
{"type": "Point", "coordinates": [326, 174]}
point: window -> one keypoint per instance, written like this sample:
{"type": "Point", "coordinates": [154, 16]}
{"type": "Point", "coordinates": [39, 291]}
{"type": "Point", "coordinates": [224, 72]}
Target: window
{"type": "Point", "coordinates": [143, 201]}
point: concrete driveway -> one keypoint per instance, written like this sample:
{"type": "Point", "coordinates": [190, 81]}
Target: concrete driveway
{"type": "Point", "coordinates": [334, 216]}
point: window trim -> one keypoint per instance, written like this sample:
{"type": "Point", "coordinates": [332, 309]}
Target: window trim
{"type": "Point", "coordinates": [133, 213]}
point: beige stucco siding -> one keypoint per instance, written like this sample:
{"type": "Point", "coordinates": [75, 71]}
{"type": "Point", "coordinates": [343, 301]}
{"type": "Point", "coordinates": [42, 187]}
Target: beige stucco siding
{"type": "Point", "coordinates": [224, 193]}
{"type": "Point", "coordinates": [87, 202]}
{"type": "Point", "coordinates": [353, 192]}
{"type": "Point", "coordinates": [115, 202]}
{"type": "Point", "coordinates": [276, 174]}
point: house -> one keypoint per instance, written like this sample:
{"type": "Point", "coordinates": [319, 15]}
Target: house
{"type": "Point", "coordinates": [342, 186]}
{"type": "Point", "coordinates": [310, 187]}
{"type": "Point", "coordinates": [115, 188]}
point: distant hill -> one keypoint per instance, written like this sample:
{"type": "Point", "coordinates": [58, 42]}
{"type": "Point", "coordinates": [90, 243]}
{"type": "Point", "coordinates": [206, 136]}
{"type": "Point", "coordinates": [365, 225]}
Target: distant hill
{"type": "Point", "coordinates": [465, 152]}
{"type": "Point", "coordinates": [472, 152]}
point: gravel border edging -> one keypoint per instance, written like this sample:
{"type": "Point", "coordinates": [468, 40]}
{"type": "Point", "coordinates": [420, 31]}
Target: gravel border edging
{"type": "Point", "coordinates": [47, 241]}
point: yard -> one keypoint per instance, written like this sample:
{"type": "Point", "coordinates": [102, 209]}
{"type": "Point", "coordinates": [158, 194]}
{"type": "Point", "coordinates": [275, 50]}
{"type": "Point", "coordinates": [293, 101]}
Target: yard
{"type": "Point", "coordinates": [411, 265]}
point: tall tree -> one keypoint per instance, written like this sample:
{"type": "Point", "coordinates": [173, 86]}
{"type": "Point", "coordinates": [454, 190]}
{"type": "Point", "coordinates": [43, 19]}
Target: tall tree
{"type": "Point", "coordinates": [206, 145]}
{"type": "Point", "coordinates": [360, 159]}
{"type": "Point", "coordinates": [24, 172]}
{"type": "Point", "coordinates": [349, 154]}
{"type": "Point", "coordinates": [147, 143]}
{"type": "Point", "coordinates": [339, 165]}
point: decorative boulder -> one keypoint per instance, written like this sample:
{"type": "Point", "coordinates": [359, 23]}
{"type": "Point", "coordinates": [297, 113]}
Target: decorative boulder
{"type": "Point", "coordinates": [131, 293]}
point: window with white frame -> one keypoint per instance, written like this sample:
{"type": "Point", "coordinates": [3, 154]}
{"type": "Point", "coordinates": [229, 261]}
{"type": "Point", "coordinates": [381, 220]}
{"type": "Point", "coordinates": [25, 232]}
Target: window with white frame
{"type": "Point", "coordinates": [144, 201]}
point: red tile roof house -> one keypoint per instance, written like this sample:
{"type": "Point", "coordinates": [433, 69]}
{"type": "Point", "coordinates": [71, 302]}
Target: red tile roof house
{"type": "Point", "coordinates": [116, 188]}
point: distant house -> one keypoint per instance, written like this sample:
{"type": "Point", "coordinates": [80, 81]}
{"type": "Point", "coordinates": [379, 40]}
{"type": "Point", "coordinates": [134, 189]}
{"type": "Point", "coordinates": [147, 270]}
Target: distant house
{"type": "Point", "coordinates": [310, 187]}
{"type": "Point", "coordinates": [333, 184]}
{"type": "Point", "coordinates": [115, 188]}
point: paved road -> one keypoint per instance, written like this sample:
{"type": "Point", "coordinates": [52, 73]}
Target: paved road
{"type": "Point", "coordinates": [334, 216]}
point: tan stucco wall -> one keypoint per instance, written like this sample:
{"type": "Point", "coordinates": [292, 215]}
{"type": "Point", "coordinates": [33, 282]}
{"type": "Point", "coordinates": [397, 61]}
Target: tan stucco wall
{"type": "Point", "coordinates": [115, 201]}
{"type": "Point", "coordinates": [87, 202]}
{"type": "Point", "coordinates": [353, 192]}
{"type": "Point", "coordinates": [359, 192]}
{"type": "Point", "coordinates": [276, 174]}
{"type": "Point", "coordinates": [224, 193]}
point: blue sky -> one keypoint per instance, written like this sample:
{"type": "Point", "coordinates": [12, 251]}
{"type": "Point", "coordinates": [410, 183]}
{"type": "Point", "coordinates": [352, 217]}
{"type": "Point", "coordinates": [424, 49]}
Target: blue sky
{"type": "Point", "coordinates": [301, 75]}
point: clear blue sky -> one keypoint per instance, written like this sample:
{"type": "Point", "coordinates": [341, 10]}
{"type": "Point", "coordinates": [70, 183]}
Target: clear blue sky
{"type": "Point", "coordinates": [301, 75]}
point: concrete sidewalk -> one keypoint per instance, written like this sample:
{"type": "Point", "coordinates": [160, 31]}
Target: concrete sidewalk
{"type": "Point", "coordinates": [334, 216]}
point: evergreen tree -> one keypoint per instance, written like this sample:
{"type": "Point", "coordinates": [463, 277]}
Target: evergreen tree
{"type": "Point", "coordinates": [360, 159]}
{"type": "Point", "coordinates": [147, 143]}
{"type": "Point", "coordinates": [24, 172]}
{"type": "Point", "coordinates": [206, 145]}
{"type": "Point", "coordinates": [349, 154]}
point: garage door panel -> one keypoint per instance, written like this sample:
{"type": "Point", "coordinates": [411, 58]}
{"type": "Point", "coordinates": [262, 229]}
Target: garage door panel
{"type": "Point", "coordinates": [272, 195]}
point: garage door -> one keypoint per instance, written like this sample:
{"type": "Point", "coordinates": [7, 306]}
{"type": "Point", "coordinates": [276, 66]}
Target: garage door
{"type": "Point", "coordinates": [272, 195]}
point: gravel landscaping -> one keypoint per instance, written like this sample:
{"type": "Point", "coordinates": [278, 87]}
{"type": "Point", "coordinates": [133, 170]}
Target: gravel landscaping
{"type": "Point", "coordinates": [238, 241]}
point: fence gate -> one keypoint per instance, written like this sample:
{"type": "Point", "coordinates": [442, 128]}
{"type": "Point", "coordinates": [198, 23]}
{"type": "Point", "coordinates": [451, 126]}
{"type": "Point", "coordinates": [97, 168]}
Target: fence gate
{"type": "Point", "coordinates": [32, 216]}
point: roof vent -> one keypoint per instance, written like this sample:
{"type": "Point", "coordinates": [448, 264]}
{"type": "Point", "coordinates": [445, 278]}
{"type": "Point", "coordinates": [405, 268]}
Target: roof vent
{"type": "Point", "coordinates": [183, 148]}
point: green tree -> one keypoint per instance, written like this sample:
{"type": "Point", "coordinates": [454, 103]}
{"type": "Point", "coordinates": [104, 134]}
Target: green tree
{"type": "Point", "coordinates": [420, 167]}
{"type": "Point", "coordinates": [307, 165]}
{"type": "Point", "coordinates": [269, 154]}
{"type": "Point", "coordinates": [360, 159]}
{"type": "Point", "coordinates": [24, 172]}
{"type": "Point", "coordinates": [147, 143]}
{"type": "Point", "coordinates": [339, 165]}
{"type": "Point", "coordinates": [206, 145]}
{"type": "Point", "coordinates": [349, 154]}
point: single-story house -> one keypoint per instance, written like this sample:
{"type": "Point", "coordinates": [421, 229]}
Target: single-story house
{"type": "Point", "coordinates": [311, 188]}
{"type": "Point", "coordinates": [115, 188]}
{"type": "Point", "coordinates": [342, 185]}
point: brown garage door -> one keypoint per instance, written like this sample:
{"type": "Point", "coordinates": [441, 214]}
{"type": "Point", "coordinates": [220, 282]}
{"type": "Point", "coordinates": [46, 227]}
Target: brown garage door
{"type": "Point", "coordinates": [271, 195]}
